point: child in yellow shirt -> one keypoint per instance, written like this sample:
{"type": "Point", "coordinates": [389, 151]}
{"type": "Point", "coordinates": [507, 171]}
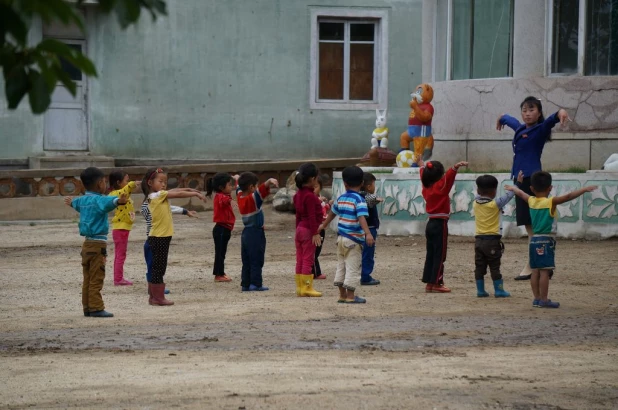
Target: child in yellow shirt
{"type": "Point", "coordinates": [122, 223]}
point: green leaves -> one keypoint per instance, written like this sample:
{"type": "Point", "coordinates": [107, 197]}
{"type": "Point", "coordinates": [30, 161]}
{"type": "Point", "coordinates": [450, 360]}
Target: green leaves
{"type": "Point", "coordinates": [36, 70]}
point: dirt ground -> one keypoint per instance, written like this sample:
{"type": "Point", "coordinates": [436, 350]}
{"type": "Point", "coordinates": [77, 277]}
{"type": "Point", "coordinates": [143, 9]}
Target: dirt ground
{"type": "Point", "coordinates": [220, 348]}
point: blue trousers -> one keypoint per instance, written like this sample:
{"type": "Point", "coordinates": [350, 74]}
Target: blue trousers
{"type": "Point", "coordinates": [368, 256]}
{"type": "Point", "coordinates": [148, 258]}
{"type": "Point", "coordinates": [252, 250]}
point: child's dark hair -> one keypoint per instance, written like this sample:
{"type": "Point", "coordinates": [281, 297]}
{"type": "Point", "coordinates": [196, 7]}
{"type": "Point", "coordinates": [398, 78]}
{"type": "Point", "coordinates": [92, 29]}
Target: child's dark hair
{"type": "Point", "coordinates": [353, 176]}
{"type": "Point", "coordinates": [320, 181]}
{"type": "Point", "coordinates": [217, 183]}
{"type": "Point", "coordinates": [531, 102]}
{"type": "Point", "coordinates": [434, 170]}
{"type": "Point", "coordinates": [115, 178]}
{"type": "Point", "coordinates": [150, 174]}
{"type": "Point", "coordinates": [90, 177]}
{"type": "Point", "coordinates": [305, 172]}
{"type": "Point", "coordinates": [247, 179]}
{"type": "Point", "coordinates": [486, 184]}
{"type": "Point", "coordinates": [368, 178]}
{"type": "Point", "coordinates": [540, 181]}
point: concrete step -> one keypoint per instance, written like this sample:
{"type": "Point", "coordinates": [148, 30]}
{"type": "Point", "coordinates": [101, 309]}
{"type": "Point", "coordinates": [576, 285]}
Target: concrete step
{"type": "Point", "coordinates": [70, 161]}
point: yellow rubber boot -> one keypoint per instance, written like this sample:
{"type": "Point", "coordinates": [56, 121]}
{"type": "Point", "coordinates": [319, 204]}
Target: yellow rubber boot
{"type": "Point", "coordinates": [297, 277]}
{"type": "Point", "coordinates": [306, 287]}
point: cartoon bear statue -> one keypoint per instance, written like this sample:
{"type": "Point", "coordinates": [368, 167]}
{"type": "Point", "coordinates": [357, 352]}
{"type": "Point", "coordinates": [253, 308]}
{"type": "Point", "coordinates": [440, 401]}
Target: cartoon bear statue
{"type": "Point", "coordinates": [419, 124]}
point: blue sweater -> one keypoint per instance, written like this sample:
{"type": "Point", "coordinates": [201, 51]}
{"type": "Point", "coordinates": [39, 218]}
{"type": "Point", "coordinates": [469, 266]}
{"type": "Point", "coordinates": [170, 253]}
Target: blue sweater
{"type": "Point", "coordinates": [93, 209]}
{"type": "Point", "coordinates": [528, 143]}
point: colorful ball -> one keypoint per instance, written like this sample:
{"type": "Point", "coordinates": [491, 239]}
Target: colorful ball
{"type": "Point", "coordinates": [405, 159]}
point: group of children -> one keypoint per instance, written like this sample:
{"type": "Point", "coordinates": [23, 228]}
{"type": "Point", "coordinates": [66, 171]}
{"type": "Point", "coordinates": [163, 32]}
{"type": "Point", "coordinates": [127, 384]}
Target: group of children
{"type": "Point", "coordinates": [357, 227]}
{"type": "Point", "coordinates": [94, 207]}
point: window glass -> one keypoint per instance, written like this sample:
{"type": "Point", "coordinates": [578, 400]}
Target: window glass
{"type": "Point", "coordinates": [601, 56]}
{"type": "Point", "coordinates": [565, 36]}
{"type": "Point", "coordinates": [441, 40]}
{"type": "Point", "coordinates": [70, 69]}
{"type": "Point", "coordinates": [361, 71]}
{"type": "Point", "coordinates": [481, 39]}
{"type": "Point", "coordinates": [331, 31]}
{"type": "Point", "coordinates": [346, 61]}
{"type": "Point", "coordinates": [331, 71]}
{"type": "Point", "coordinates": [361, 32]}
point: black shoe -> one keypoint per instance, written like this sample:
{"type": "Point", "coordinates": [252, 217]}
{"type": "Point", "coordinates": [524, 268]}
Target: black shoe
{"type": "Point", "coordinates": [86, 313]}
{"type": "Point", "coordinates": [523, 277]}
{"type": "Point", "coordinates": [101, 313]}
{"type": "Point", "coordinates": [372, 282]}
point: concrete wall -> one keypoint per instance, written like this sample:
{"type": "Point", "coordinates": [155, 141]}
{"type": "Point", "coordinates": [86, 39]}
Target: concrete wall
{"type": "Point", "coordinates": [223, 80]}
{"type": "Point", "coordinates": [467, 111]}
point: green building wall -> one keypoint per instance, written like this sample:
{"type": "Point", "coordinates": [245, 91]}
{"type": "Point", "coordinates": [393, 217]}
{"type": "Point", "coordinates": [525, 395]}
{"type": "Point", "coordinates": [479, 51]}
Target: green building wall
{"type": "Point", "coordinates": [224, 80]}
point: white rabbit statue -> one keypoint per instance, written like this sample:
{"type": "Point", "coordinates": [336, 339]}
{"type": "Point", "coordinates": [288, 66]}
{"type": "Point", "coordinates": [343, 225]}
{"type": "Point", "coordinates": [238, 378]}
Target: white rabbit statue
{"type": "Point", "coordinates": [379, 138]}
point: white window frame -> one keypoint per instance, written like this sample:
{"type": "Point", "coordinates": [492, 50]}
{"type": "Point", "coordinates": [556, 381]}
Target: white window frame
{"type": "Point", "coordinates": [449, 46]}
{"type": "Point", "coordinates": [581, 39]}
{"type": "Point", "coordinates": [380, 64]}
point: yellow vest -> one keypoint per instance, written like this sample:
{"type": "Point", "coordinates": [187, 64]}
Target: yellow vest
{"type": "Point", "coordinates": [125, 214]}
{"type": "Point", "coordinates": [487, 217]}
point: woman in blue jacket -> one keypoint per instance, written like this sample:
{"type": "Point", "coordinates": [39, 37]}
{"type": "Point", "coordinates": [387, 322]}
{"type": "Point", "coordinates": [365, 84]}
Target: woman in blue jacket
{"type": "Point", "coordinates": [528, 143]}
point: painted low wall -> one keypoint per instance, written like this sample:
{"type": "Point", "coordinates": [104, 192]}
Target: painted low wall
{"type": "Point", "coordinates": [594, 215]}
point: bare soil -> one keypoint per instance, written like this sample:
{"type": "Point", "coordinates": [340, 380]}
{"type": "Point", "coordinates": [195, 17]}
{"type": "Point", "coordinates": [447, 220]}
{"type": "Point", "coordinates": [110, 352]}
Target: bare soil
{"type": "Point", "coordinates": [220, 348]}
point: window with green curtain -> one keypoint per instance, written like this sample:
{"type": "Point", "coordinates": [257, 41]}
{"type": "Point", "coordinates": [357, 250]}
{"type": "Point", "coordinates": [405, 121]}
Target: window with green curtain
{"type": "Point", "coordinates": [565, 36]}
{"type": "Point", "coordinates": [601, 55]}
{"type": "Point", "coordinates": [482, 44]}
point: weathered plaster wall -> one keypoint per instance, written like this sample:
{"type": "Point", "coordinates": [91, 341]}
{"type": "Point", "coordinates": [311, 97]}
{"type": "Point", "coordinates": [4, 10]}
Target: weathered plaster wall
{"type": "Point", "coordinates": [229, 80]}
{"type": "Point", "coordinates": [466, 114]}
{"type": "Point", "coordinates": [21, 132]}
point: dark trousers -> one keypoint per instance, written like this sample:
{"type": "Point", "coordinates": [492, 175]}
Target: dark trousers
{"type": "Point", "coordinates": [252, 250]}
{"type": "Point", "coordinates": [436, 233]}
{"type": "Point", "coordinates": [160, 247]}
{"type": "Point", "coordinates": [316, 270]}
{"type": "Point", "coordinates": [148, 259]}
{"type": "Point", "coordinates": [488, 252]}
{"type": "Point", "coordinates": [368, 258]}
{"type": "Point", "coordinates": [222, 236]}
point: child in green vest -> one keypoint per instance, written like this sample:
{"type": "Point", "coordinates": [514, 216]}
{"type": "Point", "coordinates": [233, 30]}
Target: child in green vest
{"type": "Point", "coordinates": [542, 244]}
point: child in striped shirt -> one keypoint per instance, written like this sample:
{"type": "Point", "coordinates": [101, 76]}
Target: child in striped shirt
{"type": "Point", "coordinates": [353, 233]}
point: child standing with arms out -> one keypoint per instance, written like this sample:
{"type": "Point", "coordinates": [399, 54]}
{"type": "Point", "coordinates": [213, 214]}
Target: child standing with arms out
{"type": "Point", "coordinates": [528, 143]}
{"type": "Point", "coordinates": [224, 219]}
{"type": "Point", "coordinates": [373, 221]}
{"type": "Point", "coordinates": [308, 220]}
{"type": "Point", "coordinates": [543, 245]}
{"type": "Point", "coordinates": [353, 234]}
{"type": "Point", "coordinates": [145, 211]}
{"type": "Point", "coordinates": [436, 188]}
{"type": "Point", "coordinates": [93, 208]}
{"type": "Point", "coordinates": [325, 205]}
{"type": "Point", "coordinates": [162, 230]}
{"type": "Point", "coordinates": [250, 198]}
{"type": "Point", "coordinates": [122, 223]}
{"type": "Point", "coordinates": [488, 247]}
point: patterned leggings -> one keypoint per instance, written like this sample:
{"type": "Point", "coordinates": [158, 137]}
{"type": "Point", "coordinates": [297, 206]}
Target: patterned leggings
{"type": "Point", "coordinates": [160, 249]}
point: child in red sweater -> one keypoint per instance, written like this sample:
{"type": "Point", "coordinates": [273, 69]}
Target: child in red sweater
{"type": "Point", "coordinates": [309, 217]}
{"type": "Point", "coordinates": [436, 188]}
{"type": "Point", "coordinates": [223, 217]}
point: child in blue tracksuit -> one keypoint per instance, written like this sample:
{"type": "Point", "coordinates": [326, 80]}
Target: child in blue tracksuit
{"type": "Point", "coordinates": [373, 221]}
{"type": "Point", "coordinates": [93, 208]}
